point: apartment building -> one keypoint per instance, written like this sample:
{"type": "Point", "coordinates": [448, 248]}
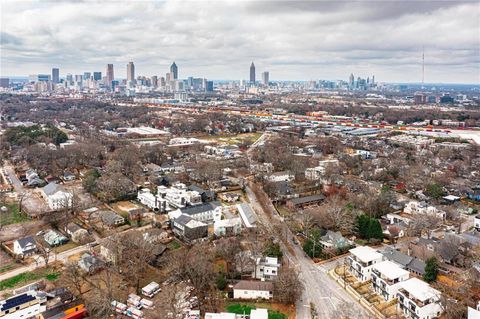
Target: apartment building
{"type": "Point", "coordinates": [361, 262]}
{"type": "Point", "coordinates": [386, 279]}
{"type": "Point", "coordinates": [417, 300]}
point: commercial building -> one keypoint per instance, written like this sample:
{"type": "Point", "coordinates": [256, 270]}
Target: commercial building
{"type": "Point", "coordinates": [265, 78]}
{"type": "Point", "coordinates": [252, 73]}
{"type": "Point", "coordinates": [55, 75]}
{"type": "Point", "coordinates": [173, 71]}
{"type": "Point", "coordinates": [110, 76]}
{"type": "Point", "coordinates": [130, 73]}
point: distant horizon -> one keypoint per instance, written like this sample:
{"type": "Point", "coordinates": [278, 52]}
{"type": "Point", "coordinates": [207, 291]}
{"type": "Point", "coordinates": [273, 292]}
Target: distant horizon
{"type": "Point", "coordinates": [219, 39]}
{"type": "Point", "coordinates": [17, 77]}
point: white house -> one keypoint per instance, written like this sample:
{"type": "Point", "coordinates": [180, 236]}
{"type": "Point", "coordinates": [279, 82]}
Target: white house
{"type": "Point", "coordinates": [207, 212]}
{"type": "Point", "coordinates": [474, 313]}
{"type": "Point", "coordinates": [56, 197]}
{"type": "Point", "coordinates": [26, 305]}
{"type": "Point", "coordinates": [152, 201]}
{"type": "Point", "coordinates": [227, 227]}
{"type": "Point", "coordinates": [386, 279]}
{"type": "Point", "coordinates": [362, 260]}
{"type": "Point", "coordinates": [417, 300]}
{"type": "Point", "coordinates": [25, 246]}
{"type": "Point", "coordinates": [316, 173]}
{"type": "Point", "coordinates": [414, 207]}
{"type": "Point", "coordinates": [284, 176]}
{"type": "Point", "coordinates": [476, 222]}
{"type": "Point", "coordinates": [249, 289]}
{"type": "Point", "coordinates": [179, 196]}
{"type": "Point", "coordinates": [267, 268]}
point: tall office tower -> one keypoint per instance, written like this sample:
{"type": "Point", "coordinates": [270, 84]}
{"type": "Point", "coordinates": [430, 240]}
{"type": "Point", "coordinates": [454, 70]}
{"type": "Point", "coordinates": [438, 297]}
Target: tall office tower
{"type": "Point", "coordinates": [265, 78]}
{"type": "Point", "coordinates": [69, 78]}
{"type": "Point", "coordinates": [373, 80]}
{"type": "Point", "coordinates": [351, 80]}
{"type": "Point", "coordinates": [252, 73]}
{"type": "Point", "coordinates": [162, 82]}
{"type": "Point", "coordinates": [86, 75]}
{"type": "Point", "coordinates": [174, 71]}
{"type": "Point", "coordinates": [78, 78]}
{"type": "Point", "coordinates": [130, 72]}
{"type": "Point", "coordinates": [55, 75]}
{"type": "Point", "coordinates": [168, 77]}
{"type": "Point", "coordinates": [110, 76]}
{"type": "Point", "coordinates": [97, 76]}
{"type": "Point", "coordinates": [154, 81]}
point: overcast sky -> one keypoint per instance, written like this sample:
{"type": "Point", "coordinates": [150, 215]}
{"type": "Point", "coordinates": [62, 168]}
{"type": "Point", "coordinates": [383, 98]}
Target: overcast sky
{"type": "Point", "coordinates": [219, 40]}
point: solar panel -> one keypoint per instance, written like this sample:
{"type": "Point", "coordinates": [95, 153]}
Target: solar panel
{"type": "Point", "coordinates": [16, 301]}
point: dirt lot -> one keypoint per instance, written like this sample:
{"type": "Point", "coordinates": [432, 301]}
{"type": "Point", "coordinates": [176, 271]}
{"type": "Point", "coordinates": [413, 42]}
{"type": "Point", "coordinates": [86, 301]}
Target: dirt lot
{"type": "Point", "coordinates": [14, 231]}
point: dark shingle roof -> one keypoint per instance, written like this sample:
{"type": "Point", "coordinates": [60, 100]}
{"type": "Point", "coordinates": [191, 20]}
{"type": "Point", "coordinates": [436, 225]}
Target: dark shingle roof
{"type": "Point", "coordinates": [197, 209]}
{"type": "Point", "coordinates": [308, 199]}
{"type": "Point", "coordinates": [25, 241]}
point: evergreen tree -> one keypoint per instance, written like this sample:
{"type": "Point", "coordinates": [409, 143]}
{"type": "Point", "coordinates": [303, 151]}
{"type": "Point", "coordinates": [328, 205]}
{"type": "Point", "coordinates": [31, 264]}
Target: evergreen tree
{"type": "Point", "coordinates": [431, 270]}
{"type": "Point", "coordinates": [375, 229]}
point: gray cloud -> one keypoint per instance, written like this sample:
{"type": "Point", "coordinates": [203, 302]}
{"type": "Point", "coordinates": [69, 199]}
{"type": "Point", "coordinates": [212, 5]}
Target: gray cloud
{"type": "Point", "coordinates": [219, 39]}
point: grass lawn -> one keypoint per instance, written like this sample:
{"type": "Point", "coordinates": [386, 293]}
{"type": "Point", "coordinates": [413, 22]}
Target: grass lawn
{"type": "Point", "coordinates": [246, 309]}
{"type": "Point", "coordinates": [67, 246]}
{"type": "Point", "coordinates": [12, 216]}
{"type": "Point", "coordinates": [174, 244]}
{"type": "Point", "coordinates": [26, 277]}
{"type": "Point", "coordinates": [8, 267]}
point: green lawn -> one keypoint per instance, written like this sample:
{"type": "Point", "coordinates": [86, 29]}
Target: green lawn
{"type": "Point", "coordinates": [174, 245]}
{"type": "Point", "coordinates": [7, 267]}
{"type": "Point", "coordinates": [12, 216]}
{"type": "Point", "coordinates": [26, 277]}
{"type": "Point", "coordinates": [241, 309]}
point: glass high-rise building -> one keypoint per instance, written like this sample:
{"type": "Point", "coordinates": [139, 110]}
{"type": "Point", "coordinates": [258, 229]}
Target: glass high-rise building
{"type": "Point", "coordinates": [174, 71]}
{"type": "Point", "coordinates": [86, 75]}
{"type": "Point", "coordinates": [97, 76]}
{"type": "Point", "coordinates": [110, 76]}
{"type": "Point", "coordinates": [265, 78]}
{"type": "Point", "coordinates": [55, 75]}
{"type": "Point", "coordinates": [130, 72]}
{"type": "Point", "coordinates": [252, 73]}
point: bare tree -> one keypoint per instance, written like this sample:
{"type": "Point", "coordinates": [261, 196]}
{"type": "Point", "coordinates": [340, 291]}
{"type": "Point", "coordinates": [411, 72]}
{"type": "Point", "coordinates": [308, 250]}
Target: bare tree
{"type": "Point", "coordinates": [44, 253]}
{"type": "Point", "coordinates": [73, 277]}
{"type": "Point", "coordinates": [346, 310]}
{"type": "Point", "coordinates": [334, 215]}
{"type": "Point", "coordinates": [287, 287]}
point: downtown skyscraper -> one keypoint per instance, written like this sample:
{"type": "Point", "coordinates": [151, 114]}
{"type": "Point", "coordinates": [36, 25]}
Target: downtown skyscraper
{"type": "Point", "coordinates": [252, 73]}
{"type": "Point", "coordinates": [130, 72]}
{"type": "Point", "coordinates": [110, 76]}
{"type": "Point", "coordinates": [55, 75]}
{"type": "Point", "coordinates": [265, 78]}
{"type": "Point", "coordinates": [174, 71]}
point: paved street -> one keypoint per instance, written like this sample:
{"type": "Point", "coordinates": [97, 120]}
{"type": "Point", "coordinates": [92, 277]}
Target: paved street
{"type": "Point", "coordinates": [320, 289]}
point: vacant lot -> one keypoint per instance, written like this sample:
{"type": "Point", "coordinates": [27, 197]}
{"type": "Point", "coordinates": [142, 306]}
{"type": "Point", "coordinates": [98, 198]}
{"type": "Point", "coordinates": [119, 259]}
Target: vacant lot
{"type": "Point", "coordinates": [12, 215]}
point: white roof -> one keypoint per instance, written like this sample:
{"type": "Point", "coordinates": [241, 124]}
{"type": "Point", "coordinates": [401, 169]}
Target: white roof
{"type": "Point", "coordinates": [420, 289]}
{"type": "Point", "coordinates": [390, 270]}
{"type": "Point", "coordinates": [365, 253]}
{"type": "Point", "coordinates": [451, 197]}
{"type": "Point", "coordinates": [222, 315]}
{"type": "Point", "coordinates": [259, 314]}
{"type": "Point", "coordinates": [473, 313]}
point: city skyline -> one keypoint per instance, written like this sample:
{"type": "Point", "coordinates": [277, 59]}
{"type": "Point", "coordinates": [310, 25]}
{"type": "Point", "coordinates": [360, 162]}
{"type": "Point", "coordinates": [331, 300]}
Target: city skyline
{"type": "Point", "coordinates": [323, 40]}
